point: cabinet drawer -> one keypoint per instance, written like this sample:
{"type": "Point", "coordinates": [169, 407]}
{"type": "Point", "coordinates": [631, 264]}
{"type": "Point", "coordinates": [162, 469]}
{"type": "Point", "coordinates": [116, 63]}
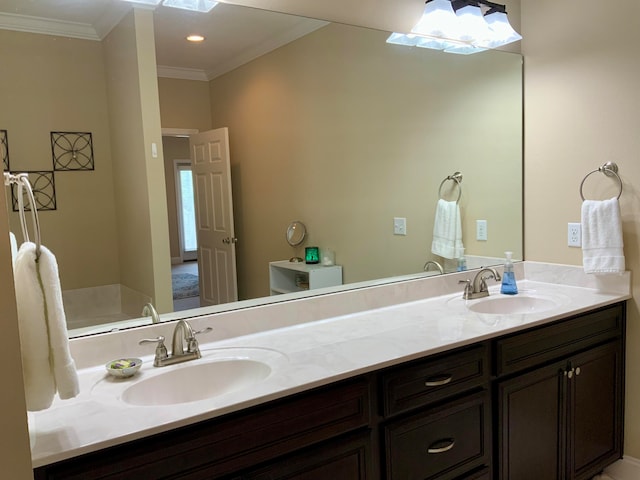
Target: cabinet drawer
{"type": "Point", "coordinates": [552, 342]}
{"type": "Point", "coordinates": [431, 380]}
{"type": "Point", "coordinates": [445, 442]}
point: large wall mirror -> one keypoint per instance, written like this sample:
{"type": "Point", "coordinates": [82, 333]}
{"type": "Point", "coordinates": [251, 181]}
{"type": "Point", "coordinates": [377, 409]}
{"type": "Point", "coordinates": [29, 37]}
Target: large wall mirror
{"type": "Point", "coordinates": [327, 124]}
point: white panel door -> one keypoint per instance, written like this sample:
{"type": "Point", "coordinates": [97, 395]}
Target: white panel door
{"type": "Point", "coordinates": [214, 216]}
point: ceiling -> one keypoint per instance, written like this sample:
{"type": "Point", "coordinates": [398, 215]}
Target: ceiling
{"type": "Point", "coordinates": [234, 35]}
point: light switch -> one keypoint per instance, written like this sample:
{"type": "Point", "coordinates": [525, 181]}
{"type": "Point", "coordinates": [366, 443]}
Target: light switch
{"type": "Point", "coordinates": [399, 226]}
{"type": "Point", "coordinates": [481, 229]}
{"type": "Point", "coordinates": [154, 150]}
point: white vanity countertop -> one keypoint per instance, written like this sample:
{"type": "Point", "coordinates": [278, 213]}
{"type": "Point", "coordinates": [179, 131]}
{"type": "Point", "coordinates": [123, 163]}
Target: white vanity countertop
{"type": "Point", "coordinates": [302, 357]}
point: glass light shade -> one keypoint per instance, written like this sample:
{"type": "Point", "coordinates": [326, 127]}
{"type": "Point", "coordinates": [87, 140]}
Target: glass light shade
{"type": "Point", "coordinates": [438, 20]}
{"type": "Point", "coordinates": [193, 5]}
{"type": "Point", "coordinates": [463, 48]}
{"type": "Point", "coordinates": [402, 39]}
{"type": "Point", "coordinates": [502, 31]}
{"type": "Point", "coordinates": [433, 43]}
{"type": "Point", "coordinates": [473, 28]}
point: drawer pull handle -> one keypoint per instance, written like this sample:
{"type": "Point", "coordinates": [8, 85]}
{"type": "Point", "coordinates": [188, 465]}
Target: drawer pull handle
{"type": "Point", "coordinates": [438, 381]}
{"type": "Point", "coordinates": [441, 446]}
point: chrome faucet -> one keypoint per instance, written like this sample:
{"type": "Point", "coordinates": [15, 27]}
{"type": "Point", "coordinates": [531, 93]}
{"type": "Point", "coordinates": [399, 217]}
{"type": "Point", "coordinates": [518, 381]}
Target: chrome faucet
{"type": "Point", "coordinates": [435, 264]}
{"type": "Point", "coordinates": [478, 287]}
{"type": "Point", "coordinates": [182, 333]}
{"type": "Point", "coordinates": [149, 310]}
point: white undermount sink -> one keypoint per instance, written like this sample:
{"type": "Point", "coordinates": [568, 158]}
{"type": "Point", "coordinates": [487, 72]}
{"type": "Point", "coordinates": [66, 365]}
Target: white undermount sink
{"type": "Point", "coordinates": [512, 304]}
{"type": "Point", "coordinates": [197, 381]}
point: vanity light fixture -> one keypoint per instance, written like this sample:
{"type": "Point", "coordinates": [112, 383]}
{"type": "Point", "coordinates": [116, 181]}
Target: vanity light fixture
{"type": "Point", "coordinates": [459, 26]}
{"type": "Point", "coordinates": [203, 6]}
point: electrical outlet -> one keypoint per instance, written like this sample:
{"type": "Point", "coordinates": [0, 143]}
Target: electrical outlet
{"type": "Point", "coordinates": [574, 235]}
{"type": "Point", "coordinates": [399, 226]}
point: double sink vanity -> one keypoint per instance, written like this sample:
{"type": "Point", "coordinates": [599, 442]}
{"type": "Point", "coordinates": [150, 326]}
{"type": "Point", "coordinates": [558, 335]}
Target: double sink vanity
{"type": "Point", "coordinates": [400, 381]}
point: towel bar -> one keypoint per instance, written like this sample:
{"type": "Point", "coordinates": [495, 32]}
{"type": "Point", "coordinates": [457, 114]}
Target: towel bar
{"type": "Point", "coordinates": [610, 169]}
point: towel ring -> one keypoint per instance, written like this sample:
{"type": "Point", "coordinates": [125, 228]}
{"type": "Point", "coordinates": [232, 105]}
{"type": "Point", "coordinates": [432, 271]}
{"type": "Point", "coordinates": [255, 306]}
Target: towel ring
{"type": "Point", "coordinates": [610, 169]}
{"type": "Point", "coordinates": [22, 182]}
{"type": "Point", "coordinates": [456, 177]}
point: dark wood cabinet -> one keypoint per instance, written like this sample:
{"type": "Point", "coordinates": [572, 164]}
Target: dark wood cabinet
{"type": "Point", "coordinates": [544, 403]}
{"type": "Point", "coordinates": [564, 419]}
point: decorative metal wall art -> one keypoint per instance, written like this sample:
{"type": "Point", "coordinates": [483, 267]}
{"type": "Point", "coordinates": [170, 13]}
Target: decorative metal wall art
{"type": "Point", "coordinates": [44, 191]}
{"type": "Point", "coordinates": [72, 151]}
{"type": "Point", "coordinates": [4, 150]}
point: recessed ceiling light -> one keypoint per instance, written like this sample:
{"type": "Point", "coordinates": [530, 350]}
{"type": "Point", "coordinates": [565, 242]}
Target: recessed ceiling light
{"type": "Point", "coordinates": [195, 38]}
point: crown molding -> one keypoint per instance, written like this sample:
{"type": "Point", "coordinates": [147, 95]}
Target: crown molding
{"type": "Point", "coordinates": [111, 18]}
{"type": "Point", "coordinates": [300, 29]}
{"type": "Point", "coordinates": [45, 26]}
{"type": "Point", "coordinates": [182, 73]}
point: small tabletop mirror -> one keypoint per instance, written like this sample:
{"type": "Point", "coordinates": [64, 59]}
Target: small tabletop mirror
{"type": "Point", "coordinates": [296, 233]}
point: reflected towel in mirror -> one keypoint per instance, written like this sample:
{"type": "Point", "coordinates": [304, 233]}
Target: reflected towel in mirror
{"type": "Point", "coordinates": [46, 359]}
{"type": "Point", "coordinates": [447, 230]}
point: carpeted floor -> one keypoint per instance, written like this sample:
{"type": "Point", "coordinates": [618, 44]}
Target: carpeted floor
{"type": "Point", "coordinates": [184, 285]}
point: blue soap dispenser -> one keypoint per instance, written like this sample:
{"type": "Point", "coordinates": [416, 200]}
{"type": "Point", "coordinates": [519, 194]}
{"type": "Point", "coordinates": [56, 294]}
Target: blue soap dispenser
{"type": "Point", "coordinates": [509, 286]}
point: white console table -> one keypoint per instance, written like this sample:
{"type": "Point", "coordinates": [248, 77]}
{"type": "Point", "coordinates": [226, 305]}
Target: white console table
{"type": "Point", "coordinates": [287, 277]}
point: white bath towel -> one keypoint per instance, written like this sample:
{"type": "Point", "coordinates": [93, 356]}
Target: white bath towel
{"type": "Point", "coordinates": [46, 360]}
{"type": "Point", "coordinates": [602, 246]}
{"type": "Point", "coordinates": [447, 230]}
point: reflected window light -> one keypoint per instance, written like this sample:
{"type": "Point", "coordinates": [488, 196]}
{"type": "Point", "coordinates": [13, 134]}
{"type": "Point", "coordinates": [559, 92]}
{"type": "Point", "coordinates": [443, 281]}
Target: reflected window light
{"type": "Point", "coordinates": [203, 6]}
{"type": "Point", "coordinates": [193, 5]}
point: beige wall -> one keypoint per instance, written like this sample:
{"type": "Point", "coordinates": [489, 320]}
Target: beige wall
{"type": "Point", "coordinates": [347, 146]}
{"type": "Point", "coordinates": [581, 110]}
{"type": "Point", "coordinates": [184, 104]}
{"type": "Point", "coordinates": [72, 97]}
{"type": "Point", "coordinates": [139, 178]}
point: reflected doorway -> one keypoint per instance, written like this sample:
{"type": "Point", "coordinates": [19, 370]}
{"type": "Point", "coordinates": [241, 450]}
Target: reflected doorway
{"type": "Point", "coordinates": [185, 275]}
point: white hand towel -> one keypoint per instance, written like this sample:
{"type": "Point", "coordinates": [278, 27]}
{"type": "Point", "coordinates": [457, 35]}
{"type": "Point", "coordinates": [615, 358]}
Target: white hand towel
{"type": "Point", "coordinates": [64, 368]}
{"type": "Point", "coordinates": [46, 360]}
{"type": "Point", "coordinates": [447, 230]}
{"type": "Point", "coordinates": [602, 246]}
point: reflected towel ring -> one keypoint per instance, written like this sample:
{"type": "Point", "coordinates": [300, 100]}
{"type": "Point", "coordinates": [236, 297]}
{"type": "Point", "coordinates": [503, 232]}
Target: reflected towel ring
{"type": "Point", "coordinates": [21, 181]}
{"type": "Point", "coordinates": [610, 169]}
{"type": "Point", "coordinates": [456, 177]}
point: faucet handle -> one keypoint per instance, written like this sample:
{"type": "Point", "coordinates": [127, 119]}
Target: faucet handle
{"type": "Point", "coordinates": [161, 349]}
{"type": "Point", "coordinates": [204, 330]}
{"type": "Point", "coordinates": [467, 288]}
{"type": "Point", "coordinates": [192, 343]}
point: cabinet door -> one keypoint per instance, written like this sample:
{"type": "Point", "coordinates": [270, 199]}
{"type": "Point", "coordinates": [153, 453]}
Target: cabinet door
{"type": "Point", "coordinates": [595, 413]}
{"type": "Point", "coordinates": [530, 421]}
{"type": "Point", "coordinates": [346, 459]}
